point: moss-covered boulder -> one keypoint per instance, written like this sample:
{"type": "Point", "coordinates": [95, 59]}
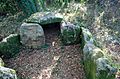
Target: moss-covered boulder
{"type": "Point", "coordinates": [10, 46]}
{"type": "Point", "coordinates": [44, 18]}
{"type": "Point", "coordinates": [7, 73]}
{"type": "Point", "coordinates": [96, 66]}
{"type": "Point", "coordinates": [91, 53]}
{"type": "Point", "coordinates": [70, 33]}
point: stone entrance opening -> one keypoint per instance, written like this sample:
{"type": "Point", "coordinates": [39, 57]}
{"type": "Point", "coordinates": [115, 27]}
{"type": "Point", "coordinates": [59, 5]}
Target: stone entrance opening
{"type": "Point", "coordinates": [52, 33]}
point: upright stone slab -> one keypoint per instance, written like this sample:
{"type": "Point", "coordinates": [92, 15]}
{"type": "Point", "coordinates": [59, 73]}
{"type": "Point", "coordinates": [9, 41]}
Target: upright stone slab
{"type": "Point", "coordinates": [32, 35]}
{"type": "Point", "coordinates": [70, 33]}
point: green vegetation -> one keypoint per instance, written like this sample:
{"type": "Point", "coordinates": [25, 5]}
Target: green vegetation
{"type": "Point", "coordinates": [104, 75]}
{"type": "Point", "coordinates": [90, 68]}
{"type": "Point", "coordinates": [10, 46]}
{"type": "Point", "coordinates": [8, 6]}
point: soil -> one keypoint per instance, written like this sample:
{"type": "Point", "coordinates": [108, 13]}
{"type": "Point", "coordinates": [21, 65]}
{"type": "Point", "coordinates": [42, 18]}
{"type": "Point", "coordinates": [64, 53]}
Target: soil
{"type": "Point", "coordinates": [53, 61]}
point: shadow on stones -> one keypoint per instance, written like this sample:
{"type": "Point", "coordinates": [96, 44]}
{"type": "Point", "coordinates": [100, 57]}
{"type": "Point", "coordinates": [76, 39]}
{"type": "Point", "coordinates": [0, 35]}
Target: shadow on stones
{"type": "Point", "coordinates": [52, 32]}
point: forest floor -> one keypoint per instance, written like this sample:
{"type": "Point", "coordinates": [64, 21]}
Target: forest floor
{"type": "Point", "coordinates": [54, 61]}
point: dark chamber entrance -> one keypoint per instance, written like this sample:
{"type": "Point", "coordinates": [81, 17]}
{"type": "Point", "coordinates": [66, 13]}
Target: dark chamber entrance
{"type": "Point", "coordinates": [52, 33]}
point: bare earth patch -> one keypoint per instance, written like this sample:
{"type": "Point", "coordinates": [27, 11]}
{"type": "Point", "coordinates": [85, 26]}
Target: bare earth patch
{"type": "Point", "coordinates": [52, 62]}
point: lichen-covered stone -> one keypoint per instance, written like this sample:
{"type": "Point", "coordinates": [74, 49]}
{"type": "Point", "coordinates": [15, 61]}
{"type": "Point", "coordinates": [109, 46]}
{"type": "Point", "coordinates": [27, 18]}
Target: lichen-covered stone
{"type": "Point", "coordinates": [32, 35]}
{"type": "Point", "coordinates": [10, 45]}
{"type": "Point", "coordinates": [7, 73]}
{"type": "Point", "coordinates": [1, 62]}
{"type": "Point", "coordinates": [96, 66]}
{"type": "Point", "coordinates": [87, 37]}
{"type": "Point", "coordinates": [91, 51]}
{"type": "Point", "coordinates": [70, 33]}
{"type": "Point", "coordinates": [45, 18]}
{"type": "Point", "coordinates": [93, 62]}
{"type": "Point", "coordinates": [104, 69]}
{"type": "Point", "coordinates": [102, 63]}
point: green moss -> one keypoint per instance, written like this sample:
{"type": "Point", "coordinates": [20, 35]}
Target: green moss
{"type": "Point", "coordinates": [71, 36]}
{"type": "Point", "coordinates": [90, 69]}
{"type": "Point", "coordinates": [87, 37]}
{"type": "Point", "coordinates": [104, 75]}
{"type": "Point", "coordinates": [11, 47]}
{"type": "Point", "coordinates": [95, 69]}
{"type": "Point", "coordinates": [27, 6]}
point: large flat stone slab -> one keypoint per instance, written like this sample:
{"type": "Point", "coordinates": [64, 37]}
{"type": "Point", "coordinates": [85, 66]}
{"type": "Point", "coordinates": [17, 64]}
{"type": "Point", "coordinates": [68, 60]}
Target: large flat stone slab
{"type": "Point", "coordinates": [45, 18]}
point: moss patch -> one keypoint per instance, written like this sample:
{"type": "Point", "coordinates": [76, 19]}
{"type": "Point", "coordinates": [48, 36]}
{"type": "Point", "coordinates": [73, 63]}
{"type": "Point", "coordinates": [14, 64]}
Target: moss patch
{"type": "Point", "coordinates": [10, 46]}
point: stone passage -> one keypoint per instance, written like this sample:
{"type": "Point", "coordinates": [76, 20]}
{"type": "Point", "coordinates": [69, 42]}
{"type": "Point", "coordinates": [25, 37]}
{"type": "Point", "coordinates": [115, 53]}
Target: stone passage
{"type": "Point", "coordinates": [32, 35]}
